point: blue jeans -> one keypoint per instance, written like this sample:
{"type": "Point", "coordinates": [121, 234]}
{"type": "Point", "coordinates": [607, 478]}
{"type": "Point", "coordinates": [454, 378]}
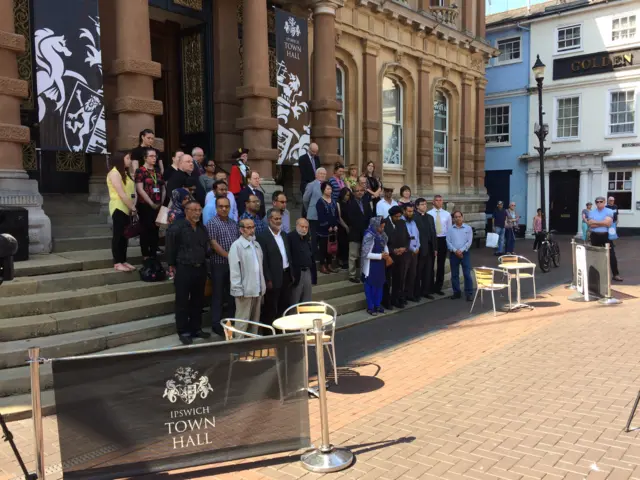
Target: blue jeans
{"type": "Point", "coordinates": [374, 296]}
{"type": "Point", "coordinates": [500, 232]}
{"type": "Point", "coordinates": [510, 240]}
{"type": "Point", "coordinates": [465, 262]}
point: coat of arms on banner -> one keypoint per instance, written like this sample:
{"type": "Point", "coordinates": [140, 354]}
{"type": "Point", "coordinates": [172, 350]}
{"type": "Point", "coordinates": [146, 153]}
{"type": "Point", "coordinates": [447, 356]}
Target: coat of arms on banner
{"type": "Point", "coordinates": [187, 386]}
{"type": "Point", "coordinates": [291, 143]}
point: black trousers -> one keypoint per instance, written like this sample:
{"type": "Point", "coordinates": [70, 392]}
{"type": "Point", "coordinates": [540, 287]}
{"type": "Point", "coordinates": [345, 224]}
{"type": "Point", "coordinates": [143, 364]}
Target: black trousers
{"type": "Point", "coordinates": [600, 239]}
{"type": "Point", "coordinates": [313, 232]}
{"type": "Point", "coordinates": [149, 234]}
{"type": "Point", "coordinates": [424, 274]}
{"type": "Point", "coordinates": [538, 240]}
{"type": "Point", "coordinates": [410, 277]}
{"type": "Point", "coordinates": [396, 276]}
{"type": "Point", "coordinates": [440, 261]}
{"type": "Point", "coordinates": [323, 256]}
{"type": "Point", "coordinates": [118, 241]}
{"type": "Point", "coordinates": [189, 282]}
{"type": "Point", "coordinates": [277, 300]}
{"type": "Point", "coordinates": [343, 246]}
{"type": "Point", "coordinates": [221, 296]}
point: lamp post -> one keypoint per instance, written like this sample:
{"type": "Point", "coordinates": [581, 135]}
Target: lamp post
{"type": "Point", "coordinates": [541, 132]}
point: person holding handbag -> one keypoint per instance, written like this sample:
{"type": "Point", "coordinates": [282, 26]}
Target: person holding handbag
{"type": "Point", "coordinates": [151, 191]}
{"type": "Point", "coordinates": [327, 210]}
{"type": "Point", "coordinates": [122, 206]}
{"type": "Point", "coordinates": [374, 260]}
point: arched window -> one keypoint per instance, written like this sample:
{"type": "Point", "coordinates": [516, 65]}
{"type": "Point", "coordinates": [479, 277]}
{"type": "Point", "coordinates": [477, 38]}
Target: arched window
{"type": "Point", "coordinates": [340, 96]}
{"type": "Point", "coordinates": [440, 131]}
{"type": "Point", "coordinates": [392, 121]}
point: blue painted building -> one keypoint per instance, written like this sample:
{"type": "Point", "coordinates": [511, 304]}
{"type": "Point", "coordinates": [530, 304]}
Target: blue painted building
{"type": "Point", "coordinates": [507, 113]}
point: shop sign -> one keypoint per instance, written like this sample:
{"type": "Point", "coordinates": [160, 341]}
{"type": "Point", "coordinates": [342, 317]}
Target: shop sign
{"type": "Point", "coordinates": [594, 63]}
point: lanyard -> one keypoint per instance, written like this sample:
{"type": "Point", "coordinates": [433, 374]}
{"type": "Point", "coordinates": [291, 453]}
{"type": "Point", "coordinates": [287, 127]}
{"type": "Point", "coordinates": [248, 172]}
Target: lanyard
{"type": "Point", "coordinates": [153, 176]}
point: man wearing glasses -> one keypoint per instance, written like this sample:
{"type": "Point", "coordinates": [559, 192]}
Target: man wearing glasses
{"type": "Point", "coordinates": [251, 209]}
{"type": "Point", "coordinates": [600, 221]}
{"type": "Point", "coordinates": [246, 274]}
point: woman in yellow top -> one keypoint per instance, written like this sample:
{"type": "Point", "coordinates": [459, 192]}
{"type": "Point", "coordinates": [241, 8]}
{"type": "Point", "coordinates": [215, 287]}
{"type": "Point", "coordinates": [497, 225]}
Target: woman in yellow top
{"type": "Point", "coordinates": [122, 204]}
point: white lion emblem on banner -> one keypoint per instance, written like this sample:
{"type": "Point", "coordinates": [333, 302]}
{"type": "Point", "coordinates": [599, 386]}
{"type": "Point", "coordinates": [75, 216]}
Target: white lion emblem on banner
{"type": "Point", "coordinates": [187, 386]}
{"type": "Point", "coordinates": [292, 28]}
{"type": "Point", "coordinates": [291, 143]}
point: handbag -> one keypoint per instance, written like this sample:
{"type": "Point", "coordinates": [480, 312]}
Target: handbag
{"type": "Point", "coordinates": [134, 228]}
{"type": "Point", "coordinates": [163, 216]}
{"type": "Point", "coordinates": [332, 244]}
{"type": "Point", "coordinates": [613, 232]}
{"type": "Point", "coordinates": [492, 240]}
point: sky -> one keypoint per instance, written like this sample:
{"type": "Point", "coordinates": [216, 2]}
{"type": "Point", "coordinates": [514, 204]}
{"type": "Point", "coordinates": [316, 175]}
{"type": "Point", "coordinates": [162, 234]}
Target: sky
{"type": "Point", "coordinates": [497, 6]}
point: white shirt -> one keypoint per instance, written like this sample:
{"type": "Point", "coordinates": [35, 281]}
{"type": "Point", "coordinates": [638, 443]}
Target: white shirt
{"type": "Point", "coordinates": [383, 207]}
{"type": "Point", "coordinates": [283, 251]}
{"type": "Point", "coordinates": [233, 206]}
{"type": "Point", "coordinates": [445, 221]}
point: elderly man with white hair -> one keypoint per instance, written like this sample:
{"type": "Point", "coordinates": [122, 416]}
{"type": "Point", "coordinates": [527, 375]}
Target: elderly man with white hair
{"type": "Point", "coordinates": [310, 198]}
{"type": "Point", "coordinates": [198, 161]}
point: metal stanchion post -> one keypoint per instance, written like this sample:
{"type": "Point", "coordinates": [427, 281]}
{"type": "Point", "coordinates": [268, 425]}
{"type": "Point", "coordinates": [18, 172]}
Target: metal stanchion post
{"type": "Point", "coordinates": [609, 300]}
{"type": "Point", "coordinates": [36, 409]}
{"type": "Point", "coordinates": [327, 458]}
{"type": "Point", "coordinates": [633, 412]}
{"type": "Point", "coordinates": [573, 265]}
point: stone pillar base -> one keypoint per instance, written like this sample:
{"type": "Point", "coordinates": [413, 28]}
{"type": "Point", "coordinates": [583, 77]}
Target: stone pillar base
{"type": "Point", "coordinates": [99, 193]}
{"type": "Point", "coordinates": [17, 190]}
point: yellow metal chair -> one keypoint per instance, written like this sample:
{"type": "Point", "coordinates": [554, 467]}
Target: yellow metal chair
{"type": "Point", "coordinates": [525, 273]}
{"type": "Point", "coordinates": [485, 281]}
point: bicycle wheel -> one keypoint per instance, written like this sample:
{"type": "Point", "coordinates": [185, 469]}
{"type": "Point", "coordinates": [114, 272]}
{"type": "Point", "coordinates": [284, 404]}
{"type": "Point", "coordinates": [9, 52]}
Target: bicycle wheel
{"type": "Point", "coordinates": [544, 260]}
{"type": "Point", "coordinates": [556, 254]}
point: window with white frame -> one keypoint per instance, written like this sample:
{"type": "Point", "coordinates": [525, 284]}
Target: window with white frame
{"type": "Point", "coordinates": [340, 96]}
{"type": "Point", "coordinates": [440, 131]}
{"type": "Point", "coordinates": [623, 28]}
{"type": "Point", "coordinates": [622, 115]}
{"type": "Point", "coordinates": [569, 38]}
{"type": "Point", "coordinates": [567, 118]}
{"type": "Point", "coordinates": [497, 119]}
{"type": "Point", "coordinates": [510, 51]}
{"type": "Point", "coordinates": [621, 187]}
{"type": "Point", "coordinates": [392, 122]}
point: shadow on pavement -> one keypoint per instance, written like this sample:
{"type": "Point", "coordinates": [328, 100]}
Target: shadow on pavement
{"type": "Point", "coordinates": [353, 383]}
{"type": "Point", "coordinates": [537, 304]}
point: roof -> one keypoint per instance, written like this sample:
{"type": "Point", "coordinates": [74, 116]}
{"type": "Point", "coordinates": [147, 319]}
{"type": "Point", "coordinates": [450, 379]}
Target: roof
{"type": "Point", "coordinates": [538, 10]}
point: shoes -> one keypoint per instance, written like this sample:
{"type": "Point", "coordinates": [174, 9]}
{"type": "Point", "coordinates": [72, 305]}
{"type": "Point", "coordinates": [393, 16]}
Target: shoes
{"type": "Point", "coordinates": [469, 298]}
{"type": "Point", "coordinates": [354, 280]}
{"type": "Point", "coordinates": [324, 269]}
{"type": "Point", "coordinates": [201, 334]}
{"type": "Point", "coordinates": [413, 299]}
{"type": "Point", "coordinates": [373, 313]}
{"type": "Point", "coordinates": [387, 306]}
{"type": "Point", "coordinates": [333, 270]}
{"type": "Point", "coordinates": [344, 267]}
{"type": "Point", "coordinates": [618, 278]}
{"type": "Point", "coordinates": [398, 304]}
{"type": "Point", "coordinates": [429, 296]}
{"type": "Point", "coordinates": [455, 296]}
{"type": "Point", "coordinates": [119, 267]}
{"type": "Point", "coordinates": [535, 249]}
{"type": "Point", "coordinates": [186, 339]}
{"type": "Point", "coordinates": [439, 292]}
{"type": "Point", "coordinates": [380, 310]}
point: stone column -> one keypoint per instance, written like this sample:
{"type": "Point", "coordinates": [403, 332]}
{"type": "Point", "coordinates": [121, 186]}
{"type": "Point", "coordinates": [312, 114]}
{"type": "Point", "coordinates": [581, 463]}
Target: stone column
{"type": "Point", "coordinates": [324, 129]}
{"type": "Point", "coordinates": [371, 104]}
{"type": "Point", "coordinates": [256, 123]}
{"type": "Point", "coordinates": [135, 72]}
{"type": "Point", "coordinates": [583, 195]}
{"type": "Point", "coordinates": [468, 20]}
{"type": "Point", "coordinates": [481, 30]}
{"type": "Point", "coordinates": [424, 172]}
{"type": "Point", "coordinates": [16, 189]}
{"type": "Point", "coordinates": [466, 137]}
{"type": "Point", "coordinates": [226, 106]}
{"type": "Point", "coordinates": [479, 156]}
{"type": "Point", "coordinates": [596, 184]}
{"type": "Point", "coordinates": [547, 194]}
{"type": "Point", "coordinates": [532, 206]}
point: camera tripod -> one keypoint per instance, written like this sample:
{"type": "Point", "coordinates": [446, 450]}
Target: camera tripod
{"type": "Point", "coordinates": [7, 436]}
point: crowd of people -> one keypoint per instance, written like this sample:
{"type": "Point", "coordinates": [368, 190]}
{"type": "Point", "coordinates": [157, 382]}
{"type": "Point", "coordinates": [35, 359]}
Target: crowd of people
{"type": "Point", "coordinates": [218, 227]}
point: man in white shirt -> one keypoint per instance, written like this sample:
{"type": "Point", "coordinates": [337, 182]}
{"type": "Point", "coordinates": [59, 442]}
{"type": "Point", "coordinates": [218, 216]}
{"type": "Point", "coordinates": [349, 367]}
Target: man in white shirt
{"type": "Point", "coordinates": [385, 204]}
{"type": "Point", "coordinates": [442, 220]}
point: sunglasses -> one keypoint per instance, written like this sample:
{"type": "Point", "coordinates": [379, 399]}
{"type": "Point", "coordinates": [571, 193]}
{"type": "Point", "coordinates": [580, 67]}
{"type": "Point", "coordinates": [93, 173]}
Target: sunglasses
{"type": "Point", "coordinates": [599, 201]}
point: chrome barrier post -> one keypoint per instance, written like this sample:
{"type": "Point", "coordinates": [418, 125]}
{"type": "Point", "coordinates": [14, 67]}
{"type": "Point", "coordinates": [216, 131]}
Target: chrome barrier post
{"type": "Point", "coordinates": [36, 409]}
{"type": "Point", "coordinates": [609, 300]}
{"type": "Point", "coordinates": [327, 458]}
{"type": "Point", "coordinates": [573, 265]}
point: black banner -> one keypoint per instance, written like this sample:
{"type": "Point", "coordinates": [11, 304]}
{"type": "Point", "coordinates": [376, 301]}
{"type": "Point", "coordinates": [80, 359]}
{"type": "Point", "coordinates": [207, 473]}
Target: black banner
{"type": "Point", "coordinates": [149, 412]}
{"type": "Point", "coordinates": [292, 55]}
{"type": "Point", "coordinates": [68, 59]}
{"type": "Point", "coordinates": [594, 63]}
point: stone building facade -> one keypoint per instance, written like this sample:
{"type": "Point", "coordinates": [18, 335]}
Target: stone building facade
{"type": "Point", "coordinates": [397, 82]}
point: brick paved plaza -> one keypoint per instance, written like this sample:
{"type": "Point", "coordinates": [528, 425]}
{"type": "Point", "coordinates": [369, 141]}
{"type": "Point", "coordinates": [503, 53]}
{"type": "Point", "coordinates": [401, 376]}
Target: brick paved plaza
{"type": "Point", "coordinates": [542, 394]}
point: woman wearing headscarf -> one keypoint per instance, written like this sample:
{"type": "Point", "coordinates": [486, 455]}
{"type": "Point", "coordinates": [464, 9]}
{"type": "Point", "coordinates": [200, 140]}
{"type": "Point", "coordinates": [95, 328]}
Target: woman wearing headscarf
{"type": "Point", "coordinates": [373, 260]}
{"type": "Point", "coordinates": [179, 197]}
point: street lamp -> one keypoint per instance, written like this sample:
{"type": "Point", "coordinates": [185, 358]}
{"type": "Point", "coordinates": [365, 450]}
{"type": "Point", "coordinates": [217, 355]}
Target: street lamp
{"type": "Point", "coordinates": [541, 130]}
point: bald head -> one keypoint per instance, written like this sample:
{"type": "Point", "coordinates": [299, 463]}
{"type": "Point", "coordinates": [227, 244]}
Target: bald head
{"type": "Point", "coordinates": [313, 149]}
{"type": "Point", "coordinates": [186, 163]}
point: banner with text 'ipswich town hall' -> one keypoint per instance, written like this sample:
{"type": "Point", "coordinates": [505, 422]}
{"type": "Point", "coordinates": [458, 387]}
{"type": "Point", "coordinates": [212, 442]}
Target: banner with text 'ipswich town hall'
{"type": "Point", "coordinates": [68, 60]}
{"type": "Point", "coordinates": [292, 56]}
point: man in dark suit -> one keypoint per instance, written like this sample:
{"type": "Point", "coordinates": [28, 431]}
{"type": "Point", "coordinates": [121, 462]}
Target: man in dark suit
{"type": "Point", "coordinates": [398, 243]}
{"type": "Point", "coordinates": [359, 213]}
{"type": "Point", "coordinates": [252, 189]}
{"type": "Point", "coordinates": [303, 266]}
{"type": "Point", "coordinates": [428, 250]}
{"type": "Point", "coordinates": [308, 163]}
{"type": "Point", "coordinates": [276, 266]}
{"type": "Point", "coordinates": [179, 180]}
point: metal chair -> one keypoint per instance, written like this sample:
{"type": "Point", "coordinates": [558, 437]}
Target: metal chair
{"type": "Point", "coordinates": [328, 339]}
{"type": "Point", "coordinates": [232, 333]}
{"type": "Point", "coordinates": [523, 274]}
{"type": "Point", "coordinates": [485, 280]}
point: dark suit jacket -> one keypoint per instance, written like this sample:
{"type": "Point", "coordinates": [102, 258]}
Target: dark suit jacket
{"type": "Point", "coordinates": [177, 180]}
{"type": "Point", "coordinates": [358, 220]}
{"type": "Point", "coordinates": [427, 229]}
{"type": "Point", "coordinates": [296, 245]}
{"type": "Point", "coordinates": [397, 233]}
{"type": "Point", "coordinates": [272, 258]}
{"type": "Point", "coordinates": [307, 172]}
{"type": "Point", "coordinates": [243, 196]}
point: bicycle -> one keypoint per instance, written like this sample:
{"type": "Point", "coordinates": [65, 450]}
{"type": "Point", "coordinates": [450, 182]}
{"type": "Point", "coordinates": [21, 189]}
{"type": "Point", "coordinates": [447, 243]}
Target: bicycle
{"type": "Point", "coordinates": [548, 252]}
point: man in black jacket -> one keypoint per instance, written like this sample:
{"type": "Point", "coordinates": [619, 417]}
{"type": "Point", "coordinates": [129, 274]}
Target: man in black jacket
{"type": "Point", "coordinates": [359, 213]}
{"type": "Point", "coordinates": [428, 250]}
{"type": "Point", "coordinates": [302, 265]}
{"type": "Point", "coordinates": [178, 180]}
{"type": "Point", "coordinates": [398, 244]}
{"type": "Point", "coordinates": [308, 163]}
{"type": "Point", "coordinates": [276, 266]}
{"type": "Point", "coordinates": [252, 189]}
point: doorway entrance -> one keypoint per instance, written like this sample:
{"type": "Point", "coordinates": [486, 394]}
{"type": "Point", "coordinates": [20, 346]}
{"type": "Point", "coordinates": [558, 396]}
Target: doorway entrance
{"type": "Point", "coordinates": [564, 189]}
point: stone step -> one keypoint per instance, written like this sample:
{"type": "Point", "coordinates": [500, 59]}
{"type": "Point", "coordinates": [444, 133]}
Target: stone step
{"type": "Point", "coordinates": [48, 303]}
{"type": "Point", "coordinates": [71, 262]}
{"type": "Point", "coordinates": [336, 289]}
{"type": "Point", "coordinates": [74, 231]}
{"type": "Point", "coordinates": [76, 220]}
{"type": "Point", "coordinates": [73, 244]}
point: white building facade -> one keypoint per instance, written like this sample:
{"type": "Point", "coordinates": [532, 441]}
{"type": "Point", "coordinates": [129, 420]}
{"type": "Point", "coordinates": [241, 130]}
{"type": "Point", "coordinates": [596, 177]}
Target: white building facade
{"type": "Point", "coordinates": [590, 99]}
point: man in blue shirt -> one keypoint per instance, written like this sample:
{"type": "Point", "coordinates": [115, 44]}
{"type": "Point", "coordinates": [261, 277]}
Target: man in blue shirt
{"type": "Point", "coordinates": [499, 217]}
{"type": "Point", "coordinates": [414, 251]}
{"type": "Point", "coordinates": [600, 220]}
{"type": "Point", "coordinates": [459, 239]}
